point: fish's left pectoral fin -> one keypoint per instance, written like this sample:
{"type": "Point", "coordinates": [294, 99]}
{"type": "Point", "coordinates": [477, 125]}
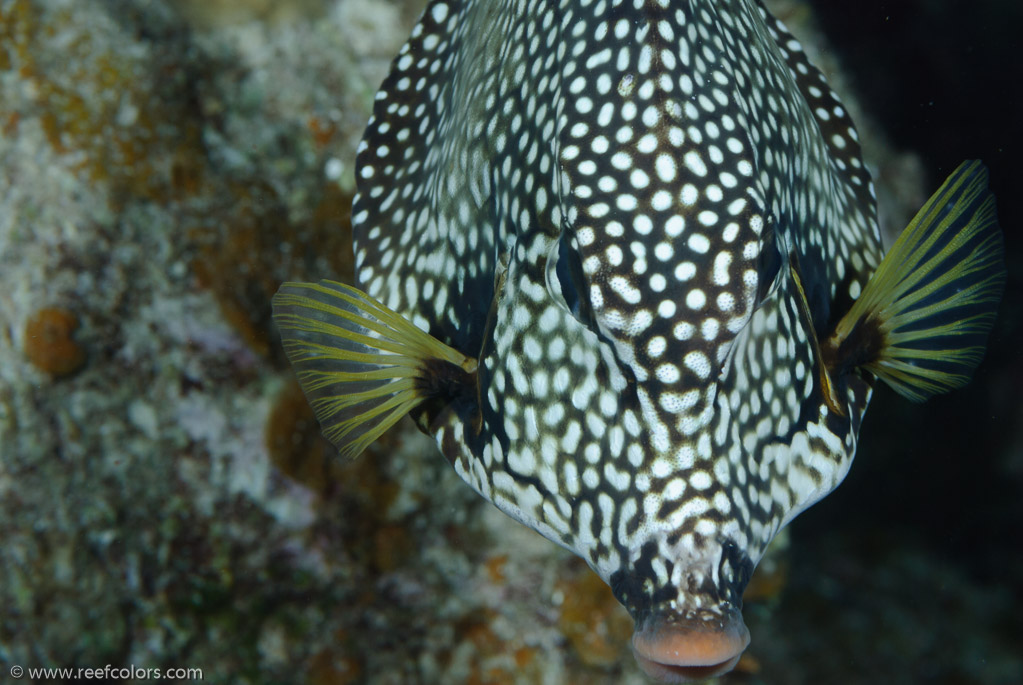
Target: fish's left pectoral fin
{"type": "Point", "coordinates": [361, 365]}
{"type": "Point", "coordinates": [921, 322]}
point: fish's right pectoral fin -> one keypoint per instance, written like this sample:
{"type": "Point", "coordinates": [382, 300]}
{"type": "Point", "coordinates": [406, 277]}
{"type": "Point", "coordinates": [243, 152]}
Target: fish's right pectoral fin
{"type": "Point", "coordinates": [921, 322]}
{"type": "Point", "coordinates": [361, 365]}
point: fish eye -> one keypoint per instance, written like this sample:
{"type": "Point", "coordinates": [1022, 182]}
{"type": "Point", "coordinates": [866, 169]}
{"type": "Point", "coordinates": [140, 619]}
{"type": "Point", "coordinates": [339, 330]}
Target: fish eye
{"type": "Point", "coordinates": [568, 270]}
{"type": "Point", "coordinates": [769, 263]}
{"type": "Point", "coordinates": [566, 282]}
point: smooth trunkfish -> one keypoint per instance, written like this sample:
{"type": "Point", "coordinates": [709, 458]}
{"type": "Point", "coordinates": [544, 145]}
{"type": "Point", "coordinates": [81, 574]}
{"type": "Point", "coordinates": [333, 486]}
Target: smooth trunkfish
{"type": "Point", "coordinates": [622, 260]}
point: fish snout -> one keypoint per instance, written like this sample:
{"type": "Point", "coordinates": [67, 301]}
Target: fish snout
{"type": "Point", "coordinates": [672, 649]}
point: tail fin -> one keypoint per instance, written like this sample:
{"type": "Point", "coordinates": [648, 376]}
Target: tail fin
{"type": "Point", "coordinates": [922, 321]}
{"type": "Point", "coordinates": [361, 365]}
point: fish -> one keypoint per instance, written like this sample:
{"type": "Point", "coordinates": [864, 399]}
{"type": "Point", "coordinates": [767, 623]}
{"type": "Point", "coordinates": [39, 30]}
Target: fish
{"type": "Point", "coordinates": [621, 259]}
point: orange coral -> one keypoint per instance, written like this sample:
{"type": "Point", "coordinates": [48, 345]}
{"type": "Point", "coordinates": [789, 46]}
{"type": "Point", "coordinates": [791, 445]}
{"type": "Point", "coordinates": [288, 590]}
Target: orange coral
{"type": "Point", "coordinates": [49, 343]}
{"type": "Point", "coordinates": [142, 142]}
{"type": "Point", "coordinates": [336, 665]}
{"type": "Point", "coordinates": [322, 130]}
{"type": "Point", "coordinates": [596, 625]}
{"type": "Point", "coordinates": [246, 251]}
{"type": "Point", "coordinates": [294, 441]}
{"type": "Point", "coordinates": [768, 582]}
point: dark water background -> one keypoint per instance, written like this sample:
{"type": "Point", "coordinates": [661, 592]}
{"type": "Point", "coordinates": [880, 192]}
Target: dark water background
{"type": "Point", "coordinates": [944, 79]}
{"type": "Point", "coordinates": [926, 528]}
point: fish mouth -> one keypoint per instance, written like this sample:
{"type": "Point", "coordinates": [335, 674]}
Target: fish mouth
{"type": "Point", "coordinates": [670, 649]}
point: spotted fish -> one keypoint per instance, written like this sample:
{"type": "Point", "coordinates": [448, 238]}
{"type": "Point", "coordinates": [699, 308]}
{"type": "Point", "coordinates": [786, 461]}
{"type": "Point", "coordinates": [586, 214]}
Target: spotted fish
{"type": "Point", "coordinates": [621, 259]}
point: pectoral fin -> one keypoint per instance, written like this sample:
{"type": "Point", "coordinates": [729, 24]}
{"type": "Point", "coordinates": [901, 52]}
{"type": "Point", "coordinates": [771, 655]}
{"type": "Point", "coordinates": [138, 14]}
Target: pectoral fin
{"type": "Point", "coordinates": [361, 365]}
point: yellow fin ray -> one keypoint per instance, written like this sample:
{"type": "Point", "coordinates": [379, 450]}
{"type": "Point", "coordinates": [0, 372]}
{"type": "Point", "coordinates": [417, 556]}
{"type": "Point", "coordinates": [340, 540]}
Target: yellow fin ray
{"type": "Point", "coordinates": [922, 320]}
{"type": "Point", "coordinates": [361, 365]}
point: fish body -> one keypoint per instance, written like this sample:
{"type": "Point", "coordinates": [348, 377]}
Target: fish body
{"type": "Point", "coordinates": [611, 254]}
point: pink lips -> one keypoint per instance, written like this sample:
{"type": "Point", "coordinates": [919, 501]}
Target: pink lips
{"type": "Point", "coordinates": [686, 651]}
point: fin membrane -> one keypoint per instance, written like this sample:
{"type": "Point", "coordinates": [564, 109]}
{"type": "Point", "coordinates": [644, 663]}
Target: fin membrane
{"type": "Point", "coordinates": [361, 365]}
{"type": "Point", "coordinates": [921, 323]}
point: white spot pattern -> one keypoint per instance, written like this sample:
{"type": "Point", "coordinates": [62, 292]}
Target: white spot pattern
{"type": "Point", "coordinates": [641, 408]}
